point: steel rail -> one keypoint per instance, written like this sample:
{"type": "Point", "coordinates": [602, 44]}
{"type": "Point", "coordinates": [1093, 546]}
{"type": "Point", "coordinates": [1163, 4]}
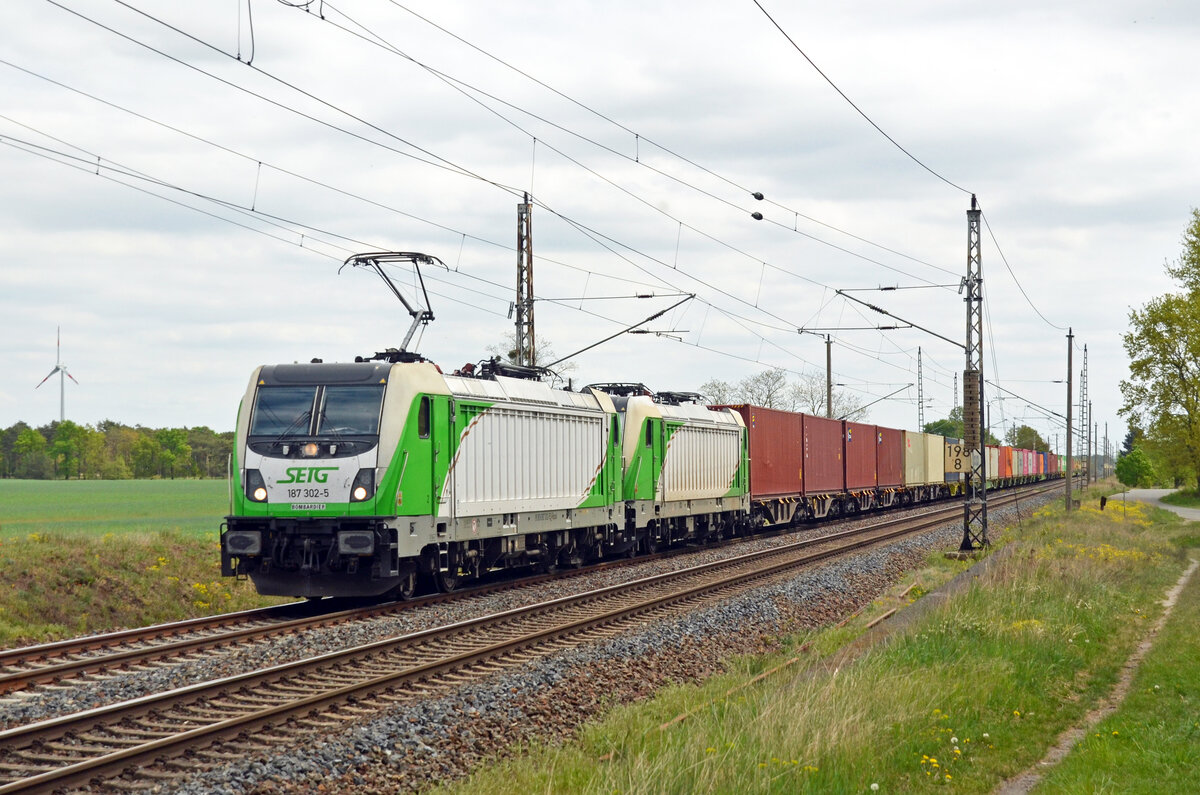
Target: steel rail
{"type": "Point", "coordinates": [31, 671]}
{"type": "Point", "coordinates": [106, 764]}
{"type": "Point", "coordinates": [35, 672]}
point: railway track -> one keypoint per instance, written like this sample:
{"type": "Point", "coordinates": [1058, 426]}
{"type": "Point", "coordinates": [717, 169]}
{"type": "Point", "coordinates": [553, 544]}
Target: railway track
{"type": "Point", "coordinates": [57, 662]}
{"type": "Point", "coordinates": [136, 743]}
{"type": "Point", "coordinates": [64, 661]}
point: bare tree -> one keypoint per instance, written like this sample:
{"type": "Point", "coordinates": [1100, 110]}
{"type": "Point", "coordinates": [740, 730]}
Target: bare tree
{"type": "Point", "coordinates": [543, 353]}
{"type": "Point", "coordinates": [719, 392]}
{"type": "Point", "coordinates": [769, 388]}
{"type": "Point", "coordinates": [808, 395]}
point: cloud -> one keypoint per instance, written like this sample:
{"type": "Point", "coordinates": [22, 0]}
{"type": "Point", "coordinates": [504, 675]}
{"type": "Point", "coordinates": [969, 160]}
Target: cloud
{"type": "Point", "coordinates": [1072, 124]}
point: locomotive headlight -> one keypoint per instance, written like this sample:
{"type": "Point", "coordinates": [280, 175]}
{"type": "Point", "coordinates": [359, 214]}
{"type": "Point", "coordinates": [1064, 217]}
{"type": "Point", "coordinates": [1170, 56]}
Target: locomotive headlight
{"type": "Point", "coordinates": [256, 488]}
{"type": "Point", "coordinates": [310, 450]}
{"type": "Point", "coordinates": [363, 487]}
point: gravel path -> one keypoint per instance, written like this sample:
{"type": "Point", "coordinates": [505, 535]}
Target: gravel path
{"type": "Point", "coordinates": [423, 742]}
{"type": "Point", "coordinates": [1154, 497]}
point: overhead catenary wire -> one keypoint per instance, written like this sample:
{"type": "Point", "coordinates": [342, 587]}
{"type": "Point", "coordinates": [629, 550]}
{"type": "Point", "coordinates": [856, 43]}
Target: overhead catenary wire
{"type": "Point", "coordinates": [857, 109]}
{"type": "Point", "coordinates": [109, 170]}
{"type": "Point", "coordinates": [445, 164]}
{"type": "Point", "coordinates": [1017, 281]}
{"type": "Point", "coordinates": [639, 138]}
{"type": "Point", "coordinates": [707, 284]}
{"type": "Point", "coordinates": [908, 154]}
{"type": "Point", "coordinates": [722, 292]}
{"type": "Point", "coordinates": [462, 87]}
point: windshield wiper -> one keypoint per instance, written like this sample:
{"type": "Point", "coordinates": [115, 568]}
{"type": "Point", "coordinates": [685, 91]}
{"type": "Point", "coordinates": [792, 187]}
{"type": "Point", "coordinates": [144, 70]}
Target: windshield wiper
{"type": "Point", "coordinates": [304, 417]}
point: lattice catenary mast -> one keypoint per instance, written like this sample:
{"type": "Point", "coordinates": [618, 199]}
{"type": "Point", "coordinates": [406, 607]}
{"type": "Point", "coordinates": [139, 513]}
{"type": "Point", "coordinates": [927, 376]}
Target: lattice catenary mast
{"type": "Point", "coordinates": [920, 393]}
{"type": "Point", "coordinates": [526, 351]}
{"type": "Point", "coordinates": [1085, 438]}
{"type": "Point", "coordinates": [975, 491]}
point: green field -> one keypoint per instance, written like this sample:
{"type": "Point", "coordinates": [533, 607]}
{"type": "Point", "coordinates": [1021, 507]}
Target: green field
{"type": "Point", "coordinates": [194, 507]}
{"type": "Point", "coordinates": [90, 556]}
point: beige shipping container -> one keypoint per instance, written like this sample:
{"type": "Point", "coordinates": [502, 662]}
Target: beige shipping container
{"type": "Point", "coordinates": [935, 457]}
{"type": "Point", "coordinates": [917, 458]}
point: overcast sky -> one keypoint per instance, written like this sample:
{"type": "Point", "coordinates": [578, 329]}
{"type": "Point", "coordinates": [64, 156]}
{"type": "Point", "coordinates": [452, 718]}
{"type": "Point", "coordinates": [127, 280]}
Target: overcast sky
{"type": "Point", "coordinates": [183, 215]}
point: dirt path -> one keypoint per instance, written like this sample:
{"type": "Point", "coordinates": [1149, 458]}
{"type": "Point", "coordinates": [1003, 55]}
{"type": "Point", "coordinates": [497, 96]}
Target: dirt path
{"type": "Point", "coordinates": [1024, 782]}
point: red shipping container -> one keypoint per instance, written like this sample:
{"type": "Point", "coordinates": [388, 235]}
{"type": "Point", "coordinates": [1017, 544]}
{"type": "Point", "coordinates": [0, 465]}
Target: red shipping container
{"type": "Point", "coordinates": [776, 451]}
{"type": "Point", "coordinates": [889, 458]}
{"type": "Point", "coordinates": [824, 471]}
{"type": "Point", "coordinates": [860, 456]}
{"type": "Point", "coordinates": [1006, 462]}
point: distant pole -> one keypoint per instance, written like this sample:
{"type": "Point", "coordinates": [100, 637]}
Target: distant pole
{"type": "Point", "coordinates": [1106, 449]}
{"type": "Point", "coordinates": [1093, 467]}
{"type": "Point", "coordinates": [975, 488]}
{"type": "Point", "coordinates": [828, 376]}
{"type": "Point", "coordinates": [1070, 383]}
{"type": "Point", "coordinates": [526, 352]}
{"type": "Point", "coordinates": [920, 393]}
{"type": "Point", "coordinates": [1084, 419]}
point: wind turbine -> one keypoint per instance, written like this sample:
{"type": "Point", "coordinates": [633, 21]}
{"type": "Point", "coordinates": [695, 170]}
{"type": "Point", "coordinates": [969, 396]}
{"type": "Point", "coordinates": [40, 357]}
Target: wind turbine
{"type": "Point", "coordinates": [61, 369]}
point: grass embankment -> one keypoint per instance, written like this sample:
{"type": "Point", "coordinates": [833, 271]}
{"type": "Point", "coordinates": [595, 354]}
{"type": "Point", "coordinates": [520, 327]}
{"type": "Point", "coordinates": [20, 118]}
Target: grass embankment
{"type": "Point", "coordinates": [79, 557]}
{"type": "Point", "coordinates": [1184, 499]}
{"type": "Point", "coordinates": [975, 693]}
{"type": "Point", "coordinates": [1149, 744]}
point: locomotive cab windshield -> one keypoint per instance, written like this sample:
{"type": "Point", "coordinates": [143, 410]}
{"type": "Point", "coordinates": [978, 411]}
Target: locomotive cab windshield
{"type": "Point", "coordinates": [344, 418]}
{"type": "Point", "coordinates": [317, 410]}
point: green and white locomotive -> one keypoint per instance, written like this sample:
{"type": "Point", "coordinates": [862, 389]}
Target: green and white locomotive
{"type": "Point", "coordinates": [353, 479]}
{"type": "Point", "coordinates": [361, 478]}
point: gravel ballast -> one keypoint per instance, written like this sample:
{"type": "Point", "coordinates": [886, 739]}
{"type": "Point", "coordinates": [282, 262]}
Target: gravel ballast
{"type": "Point", "coordinates": [425, 741]}
{"type": "Point", "coordinates": [91, 691]}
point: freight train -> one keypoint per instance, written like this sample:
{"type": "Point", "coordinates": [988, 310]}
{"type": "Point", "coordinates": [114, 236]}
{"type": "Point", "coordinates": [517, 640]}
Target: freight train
{"type": "Point", "coordinates": [367, 478]}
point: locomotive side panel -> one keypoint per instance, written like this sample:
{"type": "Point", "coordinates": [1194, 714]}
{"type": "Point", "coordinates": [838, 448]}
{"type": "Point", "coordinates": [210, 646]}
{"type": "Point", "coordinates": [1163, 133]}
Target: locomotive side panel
{"type": "Point", "coordinates": [701, 460]}
{"type": "Point", "coordinates": [516, 459]}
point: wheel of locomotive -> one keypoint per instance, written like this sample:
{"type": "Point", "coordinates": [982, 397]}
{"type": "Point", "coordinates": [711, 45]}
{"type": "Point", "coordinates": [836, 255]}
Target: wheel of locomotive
{"type": "Point", "coordinates": [407, 588]}
{"type": "Point", "coordinates": [544, 562]}
{"type": "Point", "coordinates": [570, 557]}
{"type": "Point", "coordinates": [446, 581]}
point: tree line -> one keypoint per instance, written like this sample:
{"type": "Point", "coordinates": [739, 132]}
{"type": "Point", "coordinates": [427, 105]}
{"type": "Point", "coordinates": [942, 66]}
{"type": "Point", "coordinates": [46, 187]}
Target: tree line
{"type": "Point", "coordinates": [1162, 393]}
{"type": "Point", "coordinates": [112, 451]}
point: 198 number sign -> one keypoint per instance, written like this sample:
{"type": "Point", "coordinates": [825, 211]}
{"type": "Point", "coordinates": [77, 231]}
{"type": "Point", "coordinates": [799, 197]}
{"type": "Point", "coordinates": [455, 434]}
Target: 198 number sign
{"type": "Point", "coordinates": [958, 457]}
